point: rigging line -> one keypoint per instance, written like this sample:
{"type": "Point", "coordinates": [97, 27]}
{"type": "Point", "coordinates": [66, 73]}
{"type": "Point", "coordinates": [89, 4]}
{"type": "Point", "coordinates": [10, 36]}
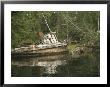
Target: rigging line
{"type": "Point", "coordinates": [72, 23]}
{"type": "Point", "coordinates": [46, 23]}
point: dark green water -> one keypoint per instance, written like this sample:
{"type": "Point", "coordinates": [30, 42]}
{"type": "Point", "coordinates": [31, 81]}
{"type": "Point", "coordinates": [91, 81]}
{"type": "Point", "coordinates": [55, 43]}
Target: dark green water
{"type": "Point", "coordinates": [65, 65]}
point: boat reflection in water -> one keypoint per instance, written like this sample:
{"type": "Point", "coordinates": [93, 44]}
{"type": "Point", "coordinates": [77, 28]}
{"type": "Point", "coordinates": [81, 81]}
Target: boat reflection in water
{"type": "Point", "coordinates": [51, 66]}
{"type": "Point", "coordinates": [62, 65]}
{"type": "Point", "coordinates": [47, 63]}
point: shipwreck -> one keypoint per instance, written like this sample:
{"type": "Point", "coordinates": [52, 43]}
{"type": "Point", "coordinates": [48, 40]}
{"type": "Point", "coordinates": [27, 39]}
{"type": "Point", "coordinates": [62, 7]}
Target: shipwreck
{"type": "Point", "coordinates": [50, 45]}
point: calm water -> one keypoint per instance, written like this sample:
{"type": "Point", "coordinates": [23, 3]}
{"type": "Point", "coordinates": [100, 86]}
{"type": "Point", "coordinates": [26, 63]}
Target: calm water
{"type": "Point", "coordinates": [65, 65]}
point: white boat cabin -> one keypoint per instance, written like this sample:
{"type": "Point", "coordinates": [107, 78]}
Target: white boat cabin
{"type": "Point", "coordinates": [50, 38]}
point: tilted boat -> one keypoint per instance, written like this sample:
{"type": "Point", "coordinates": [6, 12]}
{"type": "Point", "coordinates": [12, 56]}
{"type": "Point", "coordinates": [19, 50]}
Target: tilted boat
{"type": "Point", "coordinates": [49, 46]}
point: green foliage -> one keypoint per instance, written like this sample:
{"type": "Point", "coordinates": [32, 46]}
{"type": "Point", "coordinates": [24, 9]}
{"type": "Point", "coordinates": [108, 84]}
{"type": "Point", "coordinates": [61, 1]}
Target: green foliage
{"type": "Point", "coordinates": [80, 26]}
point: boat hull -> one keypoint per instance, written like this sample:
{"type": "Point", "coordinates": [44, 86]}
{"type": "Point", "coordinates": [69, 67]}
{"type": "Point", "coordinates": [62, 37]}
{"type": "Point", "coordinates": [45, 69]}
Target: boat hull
{"type": "Point", "coordinates": [41, 52]}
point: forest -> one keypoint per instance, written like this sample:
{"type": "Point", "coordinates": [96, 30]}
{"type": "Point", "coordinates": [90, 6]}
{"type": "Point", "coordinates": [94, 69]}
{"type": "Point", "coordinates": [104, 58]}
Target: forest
{"type": "Point", "coordinates": [78, 27]}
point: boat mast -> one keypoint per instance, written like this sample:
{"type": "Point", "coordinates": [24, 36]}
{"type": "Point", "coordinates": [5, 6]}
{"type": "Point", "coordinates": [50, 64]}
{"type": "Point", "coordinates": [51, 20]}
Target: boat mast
{"type": "Point", "coordinates": [67, 27]}
{"type": "Point", "coordinates": [46, 22]}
